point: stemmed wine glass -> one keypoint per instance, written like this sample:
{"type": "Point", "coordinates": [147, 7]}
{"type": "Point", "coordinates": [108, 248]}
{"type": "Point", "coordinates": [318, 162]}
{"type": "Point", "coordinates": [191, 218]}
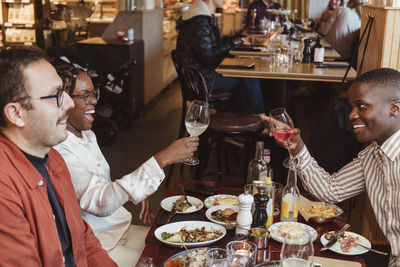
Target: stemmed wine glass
{"type": "Point", "coordinates": [196, 122]}
{"type": "Point", "coordinates": [297, 249]}
{"type": "Point", "coordinates": [282, 128]}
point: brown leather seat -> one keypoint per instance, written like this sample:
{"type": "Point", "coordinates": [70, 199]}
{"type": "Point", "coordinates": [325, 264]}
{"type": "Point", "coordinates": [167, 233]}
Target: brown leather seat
{"type": "Point", "coordinates": [234, 122]}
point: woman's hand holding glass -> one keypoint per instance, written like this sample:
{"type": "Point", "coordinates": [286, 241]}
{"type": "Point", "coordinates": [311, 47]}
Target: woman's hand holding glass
{"type": "Point", "coordinates": [196, 122]}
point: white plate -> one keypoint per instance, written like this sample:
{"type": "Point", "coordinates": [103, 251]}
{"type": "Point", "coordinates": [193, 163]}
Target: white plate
{"type": "Point", "coordinates": [177, 226]}
{"type": "Point", "coordinates": [273, 230]}
{"type": "Point", "coordinates": [168, 202]}
{"type": "Point", "coordinates": [209, 202]}
{"type": "Point", "coordinates": [357, 250]}
{"type": "Point", "coordinates": [228, 226]}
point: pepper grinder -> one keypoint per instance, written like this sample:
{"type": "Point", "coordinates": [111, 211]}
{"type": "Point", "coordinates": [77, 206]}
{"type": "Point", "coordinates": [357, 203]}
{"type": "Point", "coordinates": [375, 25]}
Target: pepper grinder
{"type": "Point", "coordinates": [244, 217]}
{"type": "Point", "coordinates": [260, 213]}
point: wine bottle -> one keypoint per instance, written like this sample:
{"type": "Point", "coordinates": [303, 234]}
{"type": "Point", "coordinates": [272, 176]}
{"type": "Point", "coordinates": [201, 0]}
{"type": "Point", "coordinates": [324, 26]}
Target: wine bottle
{"type": "Point", "coordinates": [318, 52]}
{"type": "Point", "coordinates": [290, 196]}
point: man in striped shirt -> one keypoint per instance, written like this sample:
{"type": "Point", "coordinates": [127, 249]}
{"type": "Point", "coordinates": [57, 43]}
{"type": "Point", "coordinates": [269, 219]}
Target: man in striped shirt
{"type": "Point", "coordinates": [375, 116]}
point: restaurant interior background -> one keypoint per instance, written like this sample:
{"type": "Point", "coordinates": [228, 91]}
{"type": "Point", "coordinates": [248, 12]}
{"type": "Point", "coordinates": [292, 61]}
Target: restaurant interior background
{"type": "Point", "coordinates": [88, 28]}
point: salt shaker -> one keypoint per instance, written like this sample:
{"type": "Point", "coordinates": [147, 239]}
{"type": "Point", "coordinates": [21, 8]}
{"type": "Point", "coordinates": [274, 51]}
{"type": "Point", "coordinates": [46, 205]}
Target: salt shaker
{"type": "Point", "coordinates": [244, 217]}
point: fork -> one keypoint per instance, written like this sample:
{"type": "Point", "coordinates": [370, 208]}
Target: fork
{"type": "Point", "coordinates": [171, 213]}
{"type": "Point", "coordinates": [184, 195]}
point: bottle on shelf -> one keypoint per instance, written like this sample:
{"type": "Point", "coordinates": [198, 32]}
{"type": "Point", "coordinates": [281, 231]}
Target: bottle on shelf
{"type": "Point", "coordinates": [290, 196]}
{"type": "Point", "coordinates": [318, 52]}
{"type": "Point", "coordinates": [307, 51]}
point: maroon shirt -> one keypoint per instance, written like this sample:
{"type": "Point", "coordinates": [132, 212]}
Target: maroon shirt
{"type": "Point", "coordinates": [261, 12]}
{"type": "Point", "coordinates": [28, 231]}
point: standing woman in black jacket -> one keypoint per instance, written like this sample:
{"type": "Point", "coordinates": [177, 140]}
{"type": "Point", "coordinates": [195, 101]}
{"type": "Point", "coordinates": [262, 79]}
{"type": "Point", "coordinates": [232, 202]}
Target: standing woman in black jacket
{"type": "Point", "coordinates": [200, 46]}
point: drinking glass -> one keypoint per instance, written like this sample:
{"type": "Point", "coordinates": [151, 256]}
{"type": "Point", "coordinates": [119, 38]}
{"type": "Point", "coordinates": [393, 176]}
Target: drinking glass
{"type": "Point", "coordinates": [297, 250]}
{"type": "Point", "coordinates": [216, 257]}
{"type": "Point", "coordinates": [282, 128]}
{"type": "Point", "coordinates": [277, 198]}
{"type": "Point", "coordinates": [241, 253]}
{"type": "Point", "coordinates": [196, 122]}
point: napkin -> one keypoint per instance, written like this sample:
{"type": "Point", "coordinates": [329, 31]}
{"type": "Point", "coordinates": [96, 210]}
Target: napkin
{"type": "Point", "coordinates": [333, 65]}
{"type": "Point", "coordinates": [251, 49]}
{"type": "Point", "coordinates": [162, 217]}
{"type": "Point", "coordinates": [250, 66]}
{"type": "Point", "coordinates": [325, 262]}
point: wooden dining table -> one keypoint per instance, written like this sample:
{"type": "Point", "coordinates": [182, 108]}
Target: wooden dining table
{"type": "Point", "coordinates": [266, 69]}
{"type": "Point", "coordinates": [260, 51]}
{"type": "Point", "coordinates": [160, 252]}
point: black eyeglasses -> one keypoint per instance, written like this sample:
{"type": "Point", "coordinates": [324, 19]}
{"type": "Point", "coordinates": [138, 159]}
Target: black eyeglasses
{"type": "Point", "coordinates": [59, 96]}
{"type": "Point", "coordinates": [89, 96]}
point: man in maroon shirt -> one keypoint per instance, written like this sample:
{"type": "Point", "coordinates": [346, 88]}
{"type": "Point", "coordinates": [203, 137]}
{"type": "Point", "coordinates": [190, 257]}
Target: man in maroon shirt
{"type": "Point", "coordinates": [40, 222]}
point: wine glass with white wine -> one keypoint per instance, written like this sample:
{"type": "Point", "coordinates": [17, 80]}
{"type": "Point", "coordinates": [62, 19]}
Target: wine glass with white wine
{"type": "Point", "coordinates": [196, 122]}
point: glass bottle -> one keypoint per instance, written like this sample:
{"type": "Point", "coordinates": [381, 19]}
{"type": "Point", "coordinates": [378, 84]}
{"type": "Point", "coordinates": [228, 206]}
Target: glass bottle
{"type": "Point", "coordinates": [318, 52]}
{"type": "Point", "coordinates": [290, 196]}
{"type": "Point", "coordinates": [258, 169]}
{"type": "Point", "coordinates": [307, 51]}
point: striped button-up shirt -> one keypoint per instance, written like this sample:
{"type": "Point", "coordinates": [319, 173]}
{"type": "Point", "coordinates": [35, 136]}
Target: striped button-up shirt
{"type": "Point", "coordinates": [377, 170]}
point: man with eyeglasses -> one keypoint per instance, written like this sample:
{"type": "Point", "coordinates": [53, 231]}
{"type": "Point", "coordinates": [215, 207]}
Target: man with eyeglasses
{"type": "Point", "coordinates": [40, 222]}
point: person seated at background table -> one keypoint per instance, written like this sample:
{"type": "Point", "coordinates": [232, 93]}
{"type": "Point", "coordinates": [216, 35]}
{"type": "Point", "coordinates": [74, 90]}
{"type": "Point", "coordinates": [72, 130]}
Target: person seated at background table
{"type": "Point", "coordinates": [100, 198]}
{"type": "Point", "coordinates": [340, 26]}
{"type": "Point", "coordinates": [200, 46]}
{"type": "Point", "coordinates": [259, 9]}
{"type": "Point", "coordinates": [40, 222]}
{"type": "Point", "coordinates": [375, 100]}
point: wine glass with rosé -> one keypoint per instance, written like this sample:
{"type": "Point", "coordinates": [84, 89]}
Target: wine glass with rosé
{"type": "Point", "coordinates": [282, 128]}
{"type": "Point", "coordinates": [196, 122]}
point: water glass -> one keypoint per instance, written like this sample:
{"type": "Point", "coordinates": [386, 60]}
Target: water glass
{"type": "Point", "coordinates": [297, 249]}
{"type": "Point", "coordinates": [241, 253]}
{"type": "Point", "coordinates": [297, 56]}
{"type": "Point", "coordinates": [216, 257]}
{"type": "Point", "coordinates": [277, 198]}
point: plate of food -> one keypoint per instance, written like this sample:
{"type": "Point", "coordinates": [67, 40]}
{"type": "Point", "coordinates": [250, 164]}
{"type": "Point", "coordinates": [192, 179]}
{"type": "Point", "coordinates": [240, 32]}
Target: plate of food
{"type": "Point", "coordinates": [190, 233]}
{"type": "Point", "coordinates": [218, 200]}
{"type": "Point", "coordinates": [278, 231]}
{"type": "Point", "coordinates": [320, 212]}
{"type": "Point", "coordinates": [347, 245]}
{"type": "Point", "coordinates": [190, 257]}
{"type": "Point", "coordinates": [182, 206]}
{"type": "Point", "coordinates": [224, 215]}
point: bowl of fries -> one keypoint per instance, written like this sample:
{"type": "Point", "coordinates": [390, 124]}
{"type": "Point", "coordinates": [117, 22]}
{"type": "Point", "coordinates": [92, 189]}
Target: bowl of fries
{"type": "Point", "coordinates": [321, 212]}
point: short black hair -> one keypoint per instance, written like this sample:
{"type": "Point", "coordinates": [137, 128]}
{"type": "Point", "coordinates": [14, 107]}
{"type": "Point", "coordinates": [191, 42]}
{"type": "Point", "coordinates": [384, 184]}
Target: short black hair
{"type": "Point", "coordinates": [383, 79]}
{"type": "Point", "coordinates": [68, 74]}
{"type": "Point", "coordinates": [13, 62]}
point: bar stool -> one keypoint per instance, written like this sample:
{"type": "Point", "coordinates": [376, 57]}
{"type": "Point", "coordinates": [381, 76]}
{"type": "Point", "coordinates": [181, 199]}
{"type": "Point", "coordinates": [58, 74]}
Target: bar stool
{"type": "Point", "coordinates": [237, 128]}
{"type": "Point", "coordinates": [225, 127]}
{"type": "Point", "coordinates": [190, 91]}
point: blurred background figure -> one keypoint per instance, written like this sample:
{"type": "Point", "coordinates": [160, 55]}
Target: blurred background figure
{"type": "Point", "coordinates": [340, 26]}
{"type": "Point", "coordinates": [201, 46]}
{"type": "Point", "coordinates": [258, 11]}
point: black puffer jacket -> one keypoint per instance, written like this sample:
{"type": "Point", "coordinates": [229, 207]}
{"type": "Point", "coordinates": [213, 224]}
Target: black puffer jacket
{"type": "Point", "coordinates": [200, 45]}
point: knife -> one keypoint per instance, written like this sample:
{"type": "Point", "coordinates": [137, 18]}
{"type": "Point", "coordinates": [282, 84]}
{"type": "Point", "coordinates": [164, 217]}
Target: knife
{"type": "Point", "coordinates": [334, 238]}
{"type": "Point", "coordinates": [171, 213]}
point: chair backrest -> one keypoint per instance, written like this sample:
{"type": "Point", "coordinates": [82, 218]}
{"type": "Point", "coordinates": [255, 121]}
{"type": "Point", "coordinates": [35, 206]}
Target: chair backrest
{"type": "Point", "coordinates": [192, 81]}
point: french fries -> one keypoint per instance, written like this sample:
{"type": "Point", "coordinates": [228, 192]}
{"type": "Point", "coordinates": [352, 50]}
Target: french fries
{"type": "Point", "coordinates": [325, 211]}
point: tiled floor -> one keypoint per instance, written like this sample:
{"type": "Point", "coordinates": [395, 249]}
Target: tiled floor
{"type": "Point", "coordinates": [160, 127]}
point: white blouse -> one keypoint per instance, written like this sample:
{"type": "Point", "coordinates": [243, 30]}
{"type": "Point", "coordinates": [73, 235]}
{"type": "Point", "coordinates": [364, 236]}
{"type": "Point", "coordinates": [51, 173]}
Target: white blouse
{"type": "Point", "coordinates": [100, 198]}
